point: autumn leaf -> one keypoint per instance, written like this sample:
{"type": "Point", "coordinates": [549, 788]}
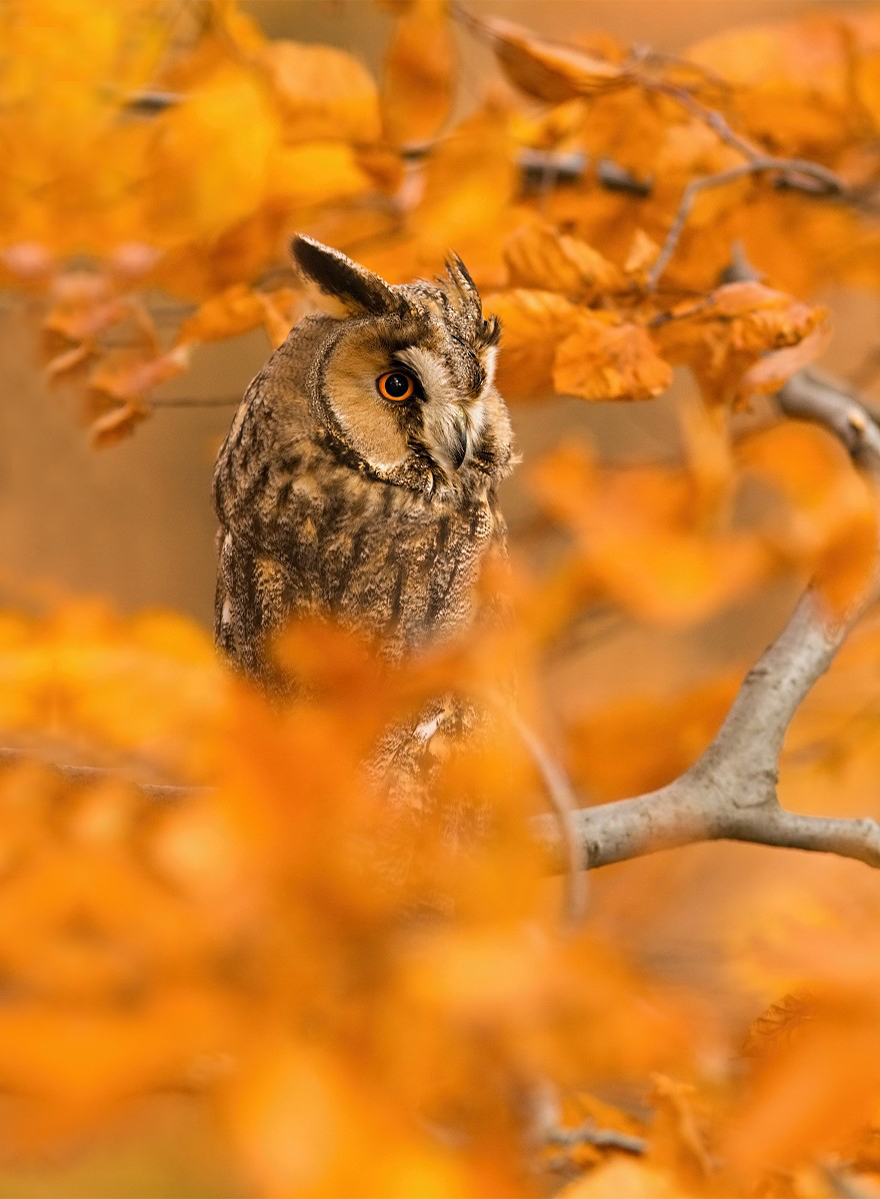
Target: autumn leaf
{"type": "Point", "coordinates": [722, 336]}
{"type": "Point", "coordinates": [541, 258]}
{"type": "Point", "coordinates": [602, 360]}
{"type": "Point", "coordinates": [547, 70]}
{"type": "Point", "coordinates": [532, 324]}
{"type": "Point", "coordinates": [417, 83]}
{"type": "Point", "coordinates": [238, 310]}
{"type": "Point", "coordinates": [323, 94]}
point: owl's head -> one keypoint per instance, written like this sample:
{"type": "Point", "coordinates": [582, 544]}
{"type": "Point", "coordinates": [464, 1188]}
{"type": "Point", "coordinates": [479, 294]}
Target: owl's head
{"type": "Point", "coordinates": [404, 381]}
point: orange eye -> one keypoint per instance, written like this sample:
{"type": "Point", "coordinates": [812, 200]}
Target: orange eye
{"type": "Point", "coordinates": [395, 385]}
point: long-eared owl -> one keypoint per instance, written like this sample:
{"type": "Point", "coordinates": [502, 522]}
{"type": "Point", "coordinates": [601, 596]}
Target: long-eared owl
{"type": "Point", "coordinates": [358, 480]}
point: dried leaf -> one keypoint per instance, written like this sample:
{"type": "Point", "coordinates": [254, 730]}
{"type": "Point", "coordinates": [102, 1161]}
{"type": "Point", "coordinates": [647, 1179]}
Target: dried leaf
{"type": "Point", "coordinates": [548, 70]}
{"type": "Point", "coordinates": [532, 325]}
{"type": "Point", "coordinates": [417, 81]}
{"type": "Point", "coordinates": [116, 424]}
{"type": "Point", "coordinates": [540, 257]}
{"type": "Point", "coordinates": [603, 360]}
{"type": "Point", "coordinates": [323, 93]}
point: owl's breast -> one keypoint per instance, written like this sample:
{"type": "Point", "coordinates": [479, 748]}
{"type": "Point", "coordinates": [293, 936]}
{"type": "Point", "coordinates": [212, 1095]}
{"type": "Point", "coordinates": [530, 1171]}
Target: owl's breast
{"type": "Point", "coordinates": [379, 558]}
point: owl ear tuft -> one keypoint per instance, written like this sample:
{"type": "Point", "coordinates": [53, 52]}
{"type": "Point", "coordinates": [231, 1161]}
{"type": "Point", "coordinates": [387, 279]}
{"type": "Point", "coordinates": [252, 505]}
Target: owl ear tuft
{"type": "Point", "coordinates": [338, 276]}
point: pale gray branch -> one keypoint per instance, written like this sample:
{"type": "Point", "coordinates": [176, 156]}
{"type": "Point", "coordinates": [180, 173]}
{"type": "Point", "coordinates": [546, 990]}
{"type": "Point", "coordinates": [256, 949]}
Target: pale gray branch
{"type": "Point", "coordinates": [811, 396]}
{"type": "Point", "coordinates": [730, 792]}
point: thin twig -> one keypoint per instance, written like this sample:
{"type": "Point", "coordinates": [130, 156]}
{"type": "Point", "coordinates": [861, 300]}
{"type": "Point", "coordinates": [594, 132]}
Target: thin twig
{"type": "Point", "coordinates": [564, 803]}
{"type": "Point", "coordinates": [85, 775]}
{"type": "Point", "coordinates": [188, 402]}
{"type": "Point", "coordinates": [602, 1138]}
{"type": "Point", "coordinates": [827, 183]}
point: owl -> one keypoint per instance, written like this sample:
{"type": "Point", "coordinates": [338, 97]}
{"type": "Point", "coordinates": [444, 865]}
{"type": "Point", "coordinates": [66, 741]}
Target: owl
{"type": "Point", "coordinates": [358, 481]}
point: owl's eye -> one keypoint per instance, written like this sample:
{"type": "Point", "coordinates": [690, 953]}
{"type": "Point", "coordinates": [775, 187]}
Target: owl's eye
{"type": "Point", "coordinates": [396, 385]}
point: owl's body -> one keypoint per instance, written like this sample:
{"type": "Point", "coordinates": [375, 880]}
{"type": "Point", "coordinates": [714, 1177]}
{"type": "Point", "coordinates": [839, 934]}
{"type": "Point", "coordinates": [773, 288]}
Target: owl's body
{"type": "Point", "coordinates": [339, 499]}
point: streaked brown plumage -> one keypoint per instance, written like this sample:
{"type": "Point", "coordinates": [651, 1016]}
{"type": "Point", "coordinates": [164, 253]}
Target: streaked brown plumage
{"type": "Point", "coordinates": [337, 502]}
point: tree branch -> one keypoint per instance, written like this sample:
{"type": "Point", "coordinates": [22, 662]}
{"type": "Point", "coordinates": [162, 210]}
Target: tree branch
{"type": "Point", "coordinates": [792, 172]}
{"type": "Point", "coordinates": [730, 792]}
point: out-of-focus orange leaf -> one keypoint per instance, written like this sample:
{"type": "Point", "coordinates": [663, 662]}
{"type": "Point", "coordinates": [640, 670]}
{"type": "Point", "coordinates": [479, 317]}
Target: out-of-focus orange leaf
{"type": "Point", "coordinates": [532, 325]}
{"type": "Point", "coordinates": [635, 1179]}
{"type": "Point", "coordinates": [721, 336]}
{"type": "Point", "coordinates": [604, 360]}
{"type": "Point", "coordinates": [240, 309]}
{"type": "Point", "coordinates": [69, 360]}
{"type": "Point", "coordinates": [233, 179]}
{"type": "Point", "coordinates": [770, 372]}
{"type": "Point", "coordinates": [236, 310]}
{"type": "Point", "coordinates": [418, 73]}
{"type": "Point", "coordinates": [548, 70]}
{"type": "Point", "coordinates": [641, 540]}
{"type": "Point", "coordinates": [541, 258]}
{"type": "Point", "coordinates": [315, 173]}
{"type": "Point", "coordinates": [811, 1093]}
{"type": "Point", "coordinates": [639, 743]}
{"type": "Point", "coordinates": [832, 522]}
{"type": "Point", "coordinates": [134, 375]}
{"type": "Point", "coordinates": [323, 93]}
{"type": "Point", "coordinates": [116, 424]}
{"type": "Point", "coordinates": [775, 1028]}
{"type": "Point", "coordinates": [792, 110]}
{"type": "Point", "coordinates": [466, 189]}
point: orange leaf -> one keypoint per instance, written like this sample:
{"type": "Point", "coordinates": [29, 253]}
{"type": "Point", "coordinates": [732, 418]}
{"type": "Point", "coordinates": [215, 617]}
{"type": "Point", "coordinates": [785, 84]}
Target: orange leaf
{"type": "Point", "coordinates": [547, 70]}
{"type": "Point", "coordinates": [620, 1177]}
{"type": "Point", "coordinates": [116, 425]}
{"type": "Point", "coordinates": [417, 78]}
{"type": "Point", "coordinates": [128, 377]}
{"type": "Point", "coordinates": [532, 325]}
{"type": "Point", "coordinates": [236, 310]}
{"type": "Point", "coordinates": [538, 256]}
{"type": "Point", "coordinates": [770, 372]}
{"type": "Point", "coordinates": [323, 93]}
{"type": "Point", "coordinates": [605, 361]}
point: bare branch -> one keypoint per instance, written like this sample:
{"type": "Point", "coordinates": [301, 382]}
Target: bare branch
{"type": "Point", "coordinates": [83, 775]}
{"type": "Point", "coordinates": [730, 792]}
{"type": "Point", "coordinates": [562, 800]}
{"type": "Point", "coordinates": [810, 396]}
{"type": "Point", "coordinates": [602, 1138]}
{"type": "Point", "coordinates": [792, 172]}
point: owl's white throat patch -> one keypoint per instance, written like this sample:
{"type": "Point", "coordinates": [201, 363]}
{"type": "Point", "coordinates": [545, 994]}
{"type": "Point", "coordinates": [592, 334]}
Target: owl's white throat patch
{"type": "Point", "coordinates": [452, 424]}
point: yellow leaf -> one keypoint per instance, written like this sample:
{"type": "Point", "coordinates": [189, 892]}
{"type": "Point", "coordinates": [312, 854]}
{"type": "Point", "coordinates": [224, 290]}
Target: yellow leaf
{"type": "Point", "coordinates": [315, 173]}
{"type": "Point", "coordinates": [324, 94]}
{"type": "Point", "coordinates": [418, 74]}
{"type": "Point", "coordinates": [547, 70]}
{"type": "Point", "coordinates": [218, 147]}
{"type": "Point", "coordinates": [469, 181]}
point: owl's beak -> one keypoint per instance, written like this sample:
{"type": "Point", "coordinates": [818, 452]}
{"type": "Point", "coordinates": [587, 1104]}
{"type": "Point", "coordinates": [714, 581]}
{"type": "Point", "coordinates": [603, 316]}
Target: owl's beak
{"type": "Point", "coordinates": [450, 432]}
{"type": "Point", "coordinates": [459, 442]}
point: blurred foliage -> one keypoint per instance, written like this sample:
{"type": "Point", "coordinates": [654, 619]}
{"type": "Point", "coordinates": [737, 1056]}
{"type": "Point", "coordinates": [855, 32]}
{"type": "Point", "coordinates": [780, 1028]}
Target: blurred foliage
{"type": "Point", "coordinates": [249, 951]}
